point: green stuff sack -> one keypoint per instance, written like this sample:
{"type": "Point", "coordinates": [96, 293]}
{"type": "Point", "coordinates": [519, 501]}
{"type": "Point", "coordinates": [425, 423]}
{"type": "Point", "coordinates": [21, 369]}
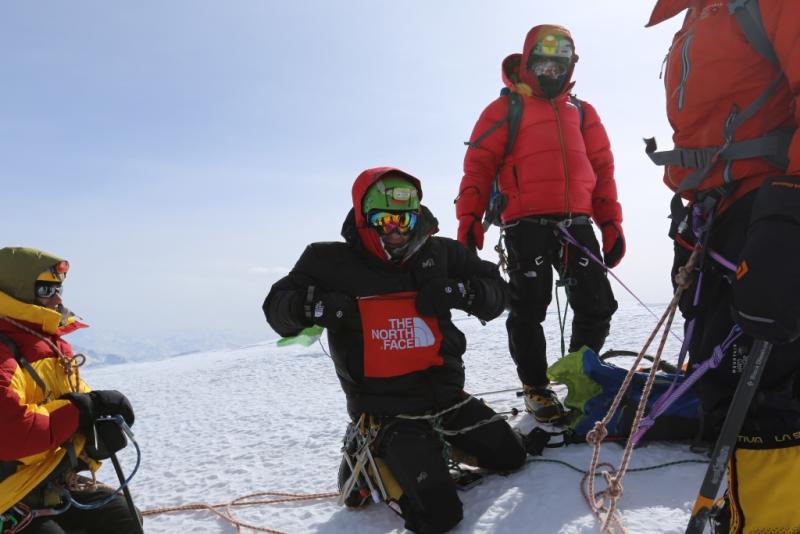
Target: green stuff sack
{"type": "Point", "coordinates": [592, 385]}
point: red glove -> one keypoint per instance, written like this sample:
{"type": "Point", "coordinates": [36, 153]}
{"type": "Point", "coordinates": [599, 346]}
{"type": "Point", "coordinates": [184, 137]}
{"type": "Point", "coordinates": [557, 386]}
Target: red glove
{"type": "Point", "coordinates": [613, 243]}
{"type": "Point", "coordinates": [470, 231]}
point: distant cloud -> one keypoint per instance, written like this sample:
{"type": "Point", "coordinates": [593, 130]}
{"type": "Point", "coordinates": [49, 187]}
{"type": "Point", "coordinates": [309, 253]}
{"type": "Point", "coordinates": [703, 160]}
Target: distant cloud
{"type": "Point", "coordinates": [259, 270]}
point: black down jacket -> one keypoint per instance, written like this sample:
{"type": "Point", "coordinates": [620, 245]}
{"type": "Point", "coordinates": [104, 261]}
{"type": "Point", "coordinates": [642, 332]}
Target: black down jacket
{"type": "Point", "coordinates": [350, 269]}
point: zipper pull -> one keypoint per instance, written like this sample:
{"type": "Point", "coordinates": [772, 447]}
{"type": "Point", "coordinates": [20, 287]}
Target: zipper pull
{"type": "Point", "coordinates": [663, 64]}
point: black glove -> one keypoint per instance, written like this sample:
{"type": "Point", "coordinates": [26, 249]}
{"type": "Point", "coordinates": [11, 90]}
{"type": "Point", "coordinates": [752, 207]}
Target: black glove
{"type": "Point", "coordinates": [101, 402]}
{"type": "Point", "coordinates": [105, 437]}
{"type": "Point", "coordinates": [331, 309]}
{"type": "Point", "coordinates": [438, 297]}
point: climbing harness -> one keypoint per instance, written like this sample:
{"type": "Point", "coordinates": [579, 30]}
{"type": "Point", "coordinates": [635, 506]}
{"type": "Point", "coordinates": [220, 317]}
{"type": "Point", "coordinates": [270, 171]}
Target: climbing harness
{"type": "Point", "coordinates": [22, 514]}
{"type": "Point", "coordinates": [568, 236]}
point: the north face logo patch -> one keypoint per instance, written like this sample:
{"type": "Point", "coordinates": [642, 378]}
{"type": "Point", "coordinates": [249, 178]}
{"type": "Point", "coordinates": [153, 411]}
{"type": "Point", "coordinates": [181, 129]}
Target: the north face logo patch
{"type": "Point", "coordinates": [404, 333]}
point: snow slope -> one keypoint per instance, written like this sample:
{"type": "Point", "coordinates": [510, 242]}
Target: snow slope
{"type": "Point", "coordinates": [214, 426]}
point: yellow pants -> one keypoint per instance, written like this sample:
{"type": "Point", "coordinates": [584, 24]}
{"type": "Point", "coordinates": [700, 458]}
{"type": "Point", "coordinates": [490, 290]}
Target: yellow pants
{"type": "Point", "coordinates": [764, 490]}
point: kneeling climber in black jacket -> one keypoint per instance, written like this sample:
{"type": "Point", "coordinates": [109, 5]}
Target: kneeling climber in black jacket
{"type": "Point", "coordinates": [385, 296]}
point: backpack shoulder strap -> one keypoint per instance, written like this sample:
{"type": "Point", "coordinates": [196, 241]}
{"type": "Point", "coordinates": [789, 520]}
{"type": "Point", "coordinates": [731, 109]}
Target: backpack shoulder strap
{"type": "Point", "coordinates": [513, 117]}
{"type": "Point", "coordinates": [579, 105]}
{"type": "Point", "coordinates": [748, 14]}
{"type": "Point", "coordinates": [25, 364]}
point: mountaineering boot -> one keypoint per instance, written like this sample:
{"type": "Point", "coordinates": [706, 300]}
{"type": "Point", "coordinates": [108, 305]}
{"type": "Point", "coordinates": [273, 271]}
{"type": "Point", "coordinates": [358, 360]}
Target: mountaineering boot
{"type": "Point", "coordinates": [543, 404]}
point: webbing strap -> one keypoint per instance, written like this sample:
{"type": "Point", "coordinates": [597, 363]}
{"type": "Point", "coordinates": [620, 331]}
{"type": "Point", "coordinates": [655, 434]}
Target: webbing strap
{"type": "Point", "coordinates": [565, 222]}
{"type": "Point", "coordinates": [732, 123]}
{"type": "Point", "coordinates": [774, 145]}
{"type": "Point", "coordinates": [748, 15]}
{"type": "Point", "coordinates": [25, 364]}
{"type": "Point", "coordinates": [513, 118]}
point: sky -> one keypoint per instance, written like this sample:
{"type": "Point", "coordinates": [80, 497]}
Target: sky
{"type": "Point", "coordinates": [182, 154]}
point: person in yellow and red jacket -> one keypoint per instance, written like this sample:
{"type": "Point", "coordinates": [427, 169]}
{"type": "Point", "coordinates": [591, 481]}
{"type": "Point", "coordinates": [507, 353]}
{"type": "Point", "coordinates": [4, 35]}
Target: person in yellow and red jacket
{"type": "Point", "coordinates": [733, 99]}
{"type": "Point", "coordinates": [46, 410]}
{"type": "Point", "coordinates": [559, 169]}
{"type": "Point", "coordinates": [385, 296]}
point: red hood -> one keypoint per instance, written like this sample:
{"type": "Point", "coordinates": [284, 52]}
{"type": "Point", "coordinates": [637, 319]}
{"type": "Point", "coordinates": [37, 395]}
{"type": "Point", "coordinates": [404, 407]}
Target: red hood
{"type": "Point", "coordinates": [514, 67]}
{"type": "Point", "coordinates": [369, 236]}
{"type": "Point", "coordinates": [666, 9]}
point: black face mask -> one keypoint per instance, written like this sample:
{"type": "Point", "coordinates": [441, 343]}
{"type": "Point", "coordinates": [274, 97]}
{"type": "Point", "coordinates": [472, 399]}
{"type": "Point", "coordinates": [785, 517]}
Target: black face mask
{"type": "Point", "coordinates": [551, 87]}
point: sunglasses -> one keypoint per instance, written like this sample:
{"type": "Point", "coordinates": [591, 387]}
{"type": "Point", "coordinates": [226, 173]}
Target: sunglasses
{"type": "Point", "coordinates": [47, 291]}
{"type": "Point", "coordinates": [386, 222]}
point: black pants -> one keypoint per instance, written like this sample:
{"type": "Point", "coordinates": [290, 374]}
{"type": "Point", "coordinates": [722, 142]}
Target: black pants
{"type": "Point", "coordinates": [413, 453]}
{"type": "Point", "coordinates": [533, 251]}
{"type": "Point", "coordinates": [113, 518]}
{"type": "Point", "coordinates": [774, 410]}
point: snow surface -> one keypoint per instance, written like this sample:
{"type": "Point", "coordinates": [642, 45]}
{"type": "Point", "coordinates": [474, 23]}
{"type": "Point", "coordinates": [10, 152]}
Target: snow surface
{"type": "Point", "coordinates": [215, 426]}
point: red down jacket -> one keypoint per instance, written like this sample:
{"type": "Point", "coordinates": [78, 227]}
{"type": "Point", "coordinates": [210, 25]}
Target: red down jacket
{"type": "Point", "coordinates": [713, 70]}
{"type": "Point", "coordinates": [555, 166]}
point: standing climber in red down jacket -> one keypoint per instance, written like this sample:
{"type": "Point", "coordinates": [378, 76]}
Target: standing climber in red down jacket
{"type": "Point", "coordinates": [553, 167]}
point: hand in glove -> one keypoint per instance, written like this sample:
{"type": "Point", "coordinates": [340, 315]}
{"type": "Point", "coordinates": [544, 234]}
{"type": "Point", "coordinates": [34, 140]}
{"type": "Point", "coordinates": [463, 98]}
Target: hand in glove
{"type": "Point", "coordinates": [470, 231]}
{"type": "Point", "coordinates": [613, 243]}
{"type": "Point", "coordinates": [97, 403]}
{"type": "Point", "coordinates": [438, 297]}
{"type": "Point", "coordinates": [331, 309]}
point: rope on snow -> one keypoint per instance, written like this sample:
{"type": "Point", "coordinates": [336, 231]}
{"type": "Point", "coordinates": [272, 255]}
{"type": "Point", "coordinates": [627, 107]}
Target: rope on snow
{"type": "Point", "coordinates": [607, 514]}
{"type": "Point", "coordinates": [225, 510]}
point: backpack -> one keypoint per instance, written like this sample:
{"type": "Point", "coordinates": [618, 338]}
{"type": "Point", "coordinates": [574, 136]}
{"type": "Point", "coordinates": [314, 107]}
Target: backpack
{"type": "Point", "coordinates": [592, 384]}
{"type": "Point", "coordinates": [497, 201]}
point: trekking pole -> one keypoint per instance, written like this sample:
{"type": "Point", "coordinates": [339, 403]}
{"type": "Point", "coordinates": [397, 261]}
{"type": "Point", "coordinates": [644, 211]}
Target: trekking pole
{"type": "Point", "coordinates": [723, 449]}
{"type": "Point", "coordinates": [127, 492]}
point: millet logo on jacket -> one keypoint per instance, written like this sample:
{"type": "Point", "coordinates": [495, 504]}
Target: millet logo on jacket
{"type": "Point", "coordinates": [404, 333]}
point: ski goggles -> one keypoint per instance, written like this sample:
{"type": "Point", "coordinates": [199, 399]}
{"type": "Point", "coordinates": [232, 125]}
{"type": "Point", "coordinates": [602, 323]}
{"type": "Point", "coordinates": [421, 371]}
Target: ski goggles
{"type": "Point", "coordinates": [551, 68]}
{"type": "Point", "coordinates": [386, 222]}
{"type": "Point", "coordinates": [48, 291]}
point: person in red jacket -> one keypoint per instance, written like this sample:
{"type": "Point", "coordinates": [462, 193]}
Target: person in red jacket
{"type": "Point", "coordinates": [47, 412]}
{"type": "Point", "coordinates": [732, 82]}
{"type": "Point", "coordinates": [559, 171]}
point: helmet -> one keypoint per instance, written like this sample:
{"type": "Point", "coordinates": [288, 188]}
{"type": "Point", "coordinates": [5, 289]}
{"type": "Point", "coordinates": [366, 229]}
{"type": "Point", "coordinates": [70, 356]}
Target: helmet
{"type": "Point", "coordinates": [392, 193]}
{"type": "Point", "coordinates": [21, 269]}
{"type": "Point", "coordinates": [551, 55]}
{"type": "Point", "coordinates": [551, 59]}
{"type": "Point", "coordinates": [554, 44]}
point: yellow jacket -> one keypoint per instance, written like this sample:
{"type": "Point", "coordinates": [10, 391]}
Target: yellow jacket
{"type": "Point", "coordinates": [36, 426]}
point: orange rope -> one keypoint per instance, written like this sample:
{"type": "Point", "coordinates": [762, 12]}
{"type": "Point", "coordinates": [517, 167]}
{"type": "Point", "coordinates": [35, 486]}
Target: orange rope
{"type": "Point", "coordinates": [610, 520]}
{"type": "Point", "coordinates": [228, 515]}
{"type": "Point", "coordinates": [71, 366]}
